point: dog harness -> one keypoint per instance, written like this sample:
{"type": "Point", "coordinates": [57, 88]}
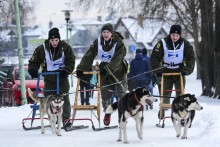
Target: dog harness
{"type": "Point", "coordinates": [187, 112]}
{"type": "Point", "coordinates": [140, 109]}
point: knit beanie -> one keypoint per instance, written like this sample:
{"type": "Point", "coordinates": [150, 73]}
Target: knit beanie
{"type": "Point", "coordinates": [108, 27]}
{"type": "Point", "coordinates": [54, 33]}
{"type": "Point", "coordinates": [138, 51]}
{"type": "Point", "coordinates": [144, 51]}
{"type": "Point", "coordinates": [175, 29]}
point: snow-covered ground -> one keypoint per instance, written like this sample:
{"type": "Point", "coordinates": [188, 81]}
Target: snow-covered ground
{"type": "Point", "coordinates": [204, 131]}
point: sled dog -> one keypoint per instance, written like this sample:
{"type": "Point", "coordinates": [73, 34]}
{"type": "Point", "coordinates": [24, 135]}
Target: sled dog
{"type": "Point", "coordinates": [53, 106]}
{"type": "Point", "coordinates": [183, 111]}
{"type": "Point", "coordinates": [131, 105]}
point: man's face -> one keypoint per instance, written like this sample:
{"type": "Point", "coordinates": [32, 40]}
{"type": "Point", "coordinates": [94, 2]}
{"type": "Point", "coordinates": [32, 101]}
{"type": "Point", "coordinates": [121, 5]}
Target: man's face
{"type": "Point", "coordinates": [54, 42]}
{"type": "Point", "coordinates": [175, 37]}
{"type": "Point", "coordinates": [106, 35]}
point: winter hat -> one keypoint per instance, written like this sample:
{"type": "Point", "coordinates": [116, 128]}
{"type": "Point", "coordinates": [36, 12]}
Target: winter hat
{"type": "Point", "coordinates": [175, 29]}
{"type": "Point", "coordinates": [108, 27]}
{"type": "Point", "coordinates": [144, 51]}
{"type": "Point", "coordinates": [54, 33]}
{"type": "Point", "coordinates": [138, 51]}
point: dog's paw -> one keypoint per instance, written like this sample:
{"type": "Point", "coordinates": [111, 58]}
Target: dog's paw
{"type": "Point", "coordinates": [42, 130]}
{"type": "Point", "coordinates": [140, 137]}
{"type": "Point", "coordinates": [126, 142]}
{"type": "Point", "coordinates": [59, 134]}
{"type": "Point", "coordinates": [178, 135]}
{"type": "Point", "coordinates": [119, 140]}
{"type": "Point", "coordinates": [183, 137]}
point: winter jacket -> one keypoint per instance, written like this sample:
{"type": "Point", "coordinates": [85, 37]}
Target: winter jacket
{"type": "Point", "coordinates": [38, 58]}
{"type": "Point", "coordinates": [156, 58]}
{"type": "Point", "coordinates": [145, 57]}
{"type": "Point", "coordinates": [138, 66]}
{"type": "Point", "coordinates": [117, 65]}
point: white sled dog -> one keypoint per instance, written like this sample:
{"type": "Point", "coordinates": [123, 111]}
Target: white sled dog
{"type": "Point", "coordinates": [183, 111]}
{"type": "Point", "coordinates": [53, 106]}
{"type": "Point", "coordinates": [131, 105]}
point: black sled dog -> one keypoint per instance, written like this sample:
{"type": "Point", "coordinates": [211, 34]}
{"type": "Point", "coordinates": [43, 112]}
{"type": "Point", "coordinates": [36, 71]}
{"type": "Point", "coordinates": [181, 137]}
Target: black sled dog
{"type": "Point", "coordinates": [183, 111]}
{"type": "Point", "coordinates": [131, 105]}
{"type": "Point", "coordinates": [53, 106]}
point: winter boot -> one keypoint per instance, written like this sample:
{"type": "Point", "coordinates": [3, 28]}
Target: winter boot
{"type": "Point", "coordinates": [107, 119]}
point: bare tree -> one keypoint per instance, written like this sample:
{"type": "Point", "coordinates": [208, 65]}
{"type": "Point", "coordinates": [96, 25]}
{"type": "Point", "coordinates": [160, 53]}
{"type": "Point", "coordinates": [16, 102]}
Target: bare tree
{"type": "Point", "coordinates": [197, 17]}
{"type": "Point", "coordinates": [7, 11]}
{"type": "Point", "coordinates": [217, 51]}
{"type": "Point", "coordinates": [206, 47]}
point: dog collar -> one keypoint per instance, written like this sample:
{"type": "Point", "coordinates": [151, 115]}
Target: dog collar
{"type": "Point", "coordinates": [140, 109]}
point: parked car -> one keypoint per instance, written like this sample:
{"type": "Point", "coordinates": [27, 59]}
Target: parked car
{"type": "Point", "coordinates": [14, 83]}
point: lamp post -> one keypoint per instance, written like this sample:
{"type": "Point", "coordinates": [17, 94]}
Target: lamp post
{"type": "Point", "coordinates": [67, 18]}
{"type": "Point", "coordinates": [70, 27]}
{"type": "Point", "coordinates": [51, 22]}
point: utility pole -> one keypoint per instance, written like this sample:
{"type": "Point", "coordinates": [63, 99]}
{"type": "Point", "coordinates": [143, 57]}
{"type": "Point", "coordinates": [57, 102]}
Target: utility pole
{"type": "Point", "coordinates": [20, 54]}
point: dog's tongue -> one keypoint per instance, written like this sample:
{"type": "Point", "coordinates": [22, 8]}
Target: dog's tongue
{"type": "Point", "coordinates": [55, 110]}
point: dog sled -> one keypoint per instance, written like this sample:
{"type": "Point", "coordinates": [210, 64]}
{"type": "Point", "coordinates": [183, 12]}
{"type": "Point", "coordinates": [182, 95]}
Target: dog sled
{"type": "Point", "coordinates": [28, 122]}
{"type": "Point", "coordinates": [163, 107]}
{"type": "Point", "coordinates": [96, 107]}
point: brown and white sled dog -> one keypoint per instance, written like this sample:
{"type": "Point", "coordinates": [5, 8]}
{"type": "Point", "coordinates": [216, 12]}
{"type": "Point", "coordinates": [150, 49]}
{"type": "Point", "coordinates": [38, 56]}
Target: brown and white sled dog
{"type": "Point", "coordinates": [131, 105]}
{"type": "Point", "coordinates": [53, 106]}
{"type": "Point", "coordinates": [183, 111]}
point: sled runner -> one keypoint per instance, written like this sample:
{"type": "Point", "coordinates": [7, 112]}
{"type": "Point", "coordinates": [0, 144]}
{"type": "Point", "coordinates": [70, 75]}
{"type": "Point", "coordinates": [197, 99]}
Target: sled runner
{"type": "Point", "coordinates": [96, 107]}
{"type": "Point", "coordinates": [163, 107]}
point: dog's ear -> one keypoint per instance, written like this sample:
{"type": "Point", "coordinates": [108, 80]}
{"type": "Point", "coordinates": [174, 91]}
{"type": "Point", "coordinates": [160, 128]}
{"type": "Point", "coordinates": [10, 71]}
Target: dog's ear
{"type": "Point", "coordinates": [187, 98]}
{"type": "Point", "coordinates": [143, 90]}
{"type": "Point", "coordinates": [64, 94]}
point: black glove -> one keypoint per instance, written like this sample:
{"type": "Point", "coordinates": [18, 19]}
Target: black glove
{"type": "Point", "coordinates": [79, 73]}
{"type": "Point", "coordinates": [183, 73]}
{"type": "Point", "coordinates": [33, 73]}
{"type": "Point", "coordinates": [63, 73]}
{"type": "Point", "coordinates": [181, 65]}
{"type": "Point", "coordinates": [103, 71]}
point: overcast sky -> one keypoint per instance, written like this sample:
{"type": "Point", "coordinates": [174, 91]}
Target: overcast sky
{"type": "Point", "coordinates": [52, 10]}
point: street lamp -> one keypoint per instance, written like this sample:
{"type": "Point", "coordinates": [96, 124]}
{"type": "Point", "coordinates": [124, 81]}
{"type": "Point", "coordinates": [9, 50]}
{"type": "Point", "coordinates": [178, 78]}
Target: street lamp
{"type": "Point", "coordinates": [67, 18]}
{"type": "Point", "coordinates": [70, 29]}
{"type": "Point", "coordinates": [51, 22]}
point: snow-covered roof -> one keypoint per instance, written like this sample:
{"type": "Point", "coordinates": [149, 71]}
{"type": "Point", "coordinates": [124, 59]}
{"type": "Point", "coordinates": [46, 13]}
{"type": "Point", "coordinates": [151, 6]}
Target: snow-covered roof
{"type": "Point", "coordinates": [88, 21]}
{"type": "Point", "coordinates": [4, 35]}
{"type": "Point", "coordinates": [79, 24]}
{"type": "Point", "coordinates": [42, 31]}
{"type": "Point", "coordinates": [144, 34]}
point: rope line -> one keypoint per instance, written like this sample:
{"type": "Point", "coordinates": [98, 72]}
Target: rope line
{"type": "Point", "coordinates": [117, 81]}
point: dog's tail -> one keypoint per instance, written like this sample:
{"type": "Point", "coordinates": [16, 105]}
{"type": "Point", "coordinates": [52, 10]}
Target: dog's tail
{"type": "Point", "coordinates": [111, 108]}
{"type": "Point", "coordinates": [33, 97]}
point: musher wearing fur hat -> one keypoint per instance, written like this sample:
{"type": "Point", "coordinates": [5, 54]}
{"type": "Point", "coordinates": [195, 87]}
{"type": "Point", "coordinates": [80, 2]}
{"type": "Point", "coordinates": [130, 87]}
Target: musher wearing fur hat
{"type": "Point", "coordinates": [54, 55]}
{"type": "Point", "coordinates": [175, 54]}
{"type": "Point", "coordinates": [110, 49]}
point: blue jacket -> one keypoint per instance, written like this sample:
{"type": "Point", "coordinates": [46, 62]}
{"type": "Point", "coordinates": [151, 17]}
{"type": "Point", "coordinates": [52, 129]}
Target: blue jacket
{"type": "Point", "coordinates": [139, 66]}
{"type": "Point", "coordinates": [146, 58]}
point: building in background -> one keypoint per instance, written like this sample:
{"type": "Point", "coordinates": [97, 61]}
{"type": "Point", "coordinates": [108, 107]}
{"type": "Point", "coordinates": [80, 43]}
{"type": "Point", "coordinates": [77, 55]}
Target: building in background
{"type": "Point", "coordinates": [141, 36]}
